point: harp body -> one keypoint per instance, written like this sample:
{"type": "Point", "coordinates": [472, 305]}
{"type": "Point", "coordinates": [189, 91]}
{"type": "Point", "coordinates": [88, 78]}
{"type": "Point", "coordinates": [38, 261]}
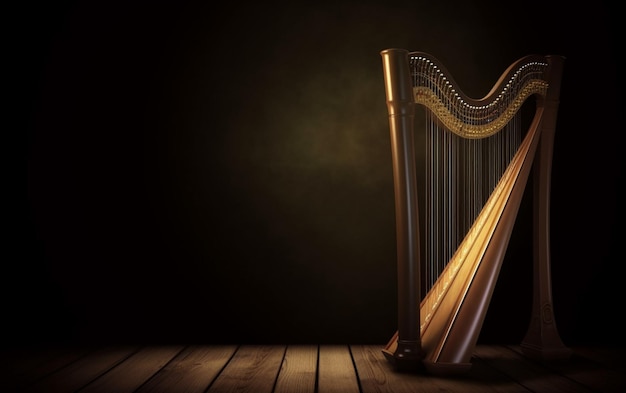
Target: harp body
{"type": "Point", "coordinates": [438, 330]}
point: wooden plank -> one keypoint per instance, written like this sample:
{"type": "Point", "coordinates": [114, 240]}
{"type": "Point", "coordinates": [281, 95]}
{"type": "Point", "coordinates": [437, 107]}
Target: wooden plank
{"type": "Point", "coordinates": [253, 368]}
{"type": "Point", "coordinates": [336, 370]}
{"type": "Point", "coordinates": [377, 374]}
{"type": "Point", "coordinates": [534, 376]}
{"type": "Point", "coordinates": [484, 378]}
{"type": "Point", "coordinates": [293, 369]}
{"type": "Point", "coordinates": [192, 371]}
{"type": "Point", "coordinates": [134, 371]}
{"type": "Point", "coordinates": [593, 373]}
{"type": "Point", "coordinates": [611, 358]}
{"type": "Point", "coordinates": [22, 367]}
{"type": "Point", "coordinates": [79, 373]}
{"type": "Point", "coordinates": [298, 371]}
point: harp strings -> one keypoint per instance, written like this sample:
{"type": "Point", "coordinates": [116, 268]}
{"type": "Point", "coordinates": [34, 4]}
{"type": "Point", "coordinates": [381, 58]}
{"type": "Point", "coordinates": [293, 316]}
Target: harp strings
{"type": "Point", "coordinates": [460, 173]}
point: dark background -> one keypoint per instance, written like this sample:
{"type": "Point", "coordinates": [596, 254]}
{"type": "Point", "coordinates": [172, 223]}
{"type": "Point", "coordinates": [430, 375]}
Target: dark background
{"type": "Point", "coordinates": [204, 173]}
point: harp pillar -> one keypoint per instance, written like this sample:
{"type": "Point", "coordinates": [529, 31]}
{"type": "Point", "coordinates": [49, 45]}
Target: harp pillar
{"type": "Point", "coordinates": [542, 339]}
{"type": "Point", "coordinates": [401, 106]}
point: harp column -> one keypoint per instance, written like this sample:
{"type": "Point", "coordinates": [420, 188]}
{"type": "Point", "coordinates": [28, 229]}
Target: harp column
{"type": "Point", "coordinates": [542, 339]}
{"type": "Point", "coordinates": [401, 107]}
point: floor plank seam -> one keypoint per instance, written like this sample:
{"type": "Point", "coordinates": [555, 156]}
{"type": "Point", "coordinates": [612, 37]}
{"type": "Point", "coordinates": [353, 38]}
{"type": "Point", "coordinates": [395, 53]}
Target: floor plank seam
{"type": "Point", "coordinates": [114, 365]}
{"type": "Point", "coordinates": [356, 370]}
{"type": "Point", "coordinates": [501, 372]}
{"type": "Point", "coordinates": [162, 368]}
{"type": "Point", "coordinates": [280, 368]}
{"type": "Point", "coordinates": [317, 371]}
{"type": "Point", "coordinates": [232, 355]}
{"type": "Point", "coordinates": [58, 369]}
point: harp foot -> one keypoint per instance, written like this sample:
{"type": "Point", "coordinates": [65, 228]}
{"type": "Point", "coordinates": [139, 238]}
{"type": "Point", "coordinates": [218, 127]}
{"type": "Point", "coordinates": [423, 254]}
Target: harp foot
{"type": "Point", "coordinates": [542, 340]}
{"type": "Point", "coordinates": [407, 357]}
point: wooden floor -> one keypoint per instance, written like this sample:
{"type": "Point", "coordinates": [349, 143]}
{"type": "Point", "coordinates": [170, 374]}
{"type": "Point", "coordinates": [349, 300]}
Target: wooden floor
{"type": "Point", "coordinates": [291, 369]}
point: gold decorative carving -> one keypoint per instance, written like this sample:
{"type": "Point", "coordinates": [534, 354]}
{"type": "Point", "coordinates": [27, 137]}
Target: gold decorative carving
{"type": "Point", "coordinates": [428, 98]}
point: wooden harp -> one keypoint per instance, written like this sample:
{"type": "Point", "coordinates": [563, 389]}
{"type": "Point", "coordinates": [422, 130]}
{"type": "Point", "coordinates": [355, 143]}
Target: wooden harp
{"type": "Point", "coordinates": [452, 238]}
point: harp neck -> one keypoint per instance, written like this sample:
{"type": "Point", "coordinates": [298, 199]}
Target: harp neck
{"type": "Point", "coordinates": [470, 118]}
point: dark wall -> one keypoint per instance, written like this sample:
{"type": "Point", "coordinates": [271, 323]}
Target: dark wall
{"type": "Point", "coordinates": [204, 174]}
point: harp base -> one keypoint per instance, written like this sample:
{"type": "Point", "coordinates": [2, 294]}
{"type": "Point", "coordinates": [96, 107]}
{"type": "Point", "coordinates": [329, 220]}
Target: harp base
{"type": "Point", "coordinates": [416, 364]}
{"type": "Point", "coordinates": [542, 340]}
{"type": "Point", "coordinates": [404, 363]}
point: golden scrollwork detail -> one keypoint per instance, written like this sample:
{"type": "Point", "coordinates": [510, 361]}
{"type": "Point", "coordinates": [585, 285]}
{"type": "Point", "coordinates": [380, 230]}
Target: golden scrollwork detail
{"type": "Point", "coordinates": [427, 97]}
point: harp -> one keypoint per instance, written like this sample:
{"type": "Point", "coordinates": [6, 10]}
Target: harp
{"type": "Point", "coordinates": [452, 238]}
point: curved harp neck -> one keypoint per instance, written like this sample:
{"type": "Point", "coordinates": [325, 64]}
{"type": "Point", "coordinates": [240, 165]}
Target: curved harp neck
{"type": "Point", "coordinates": [470, 118]}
